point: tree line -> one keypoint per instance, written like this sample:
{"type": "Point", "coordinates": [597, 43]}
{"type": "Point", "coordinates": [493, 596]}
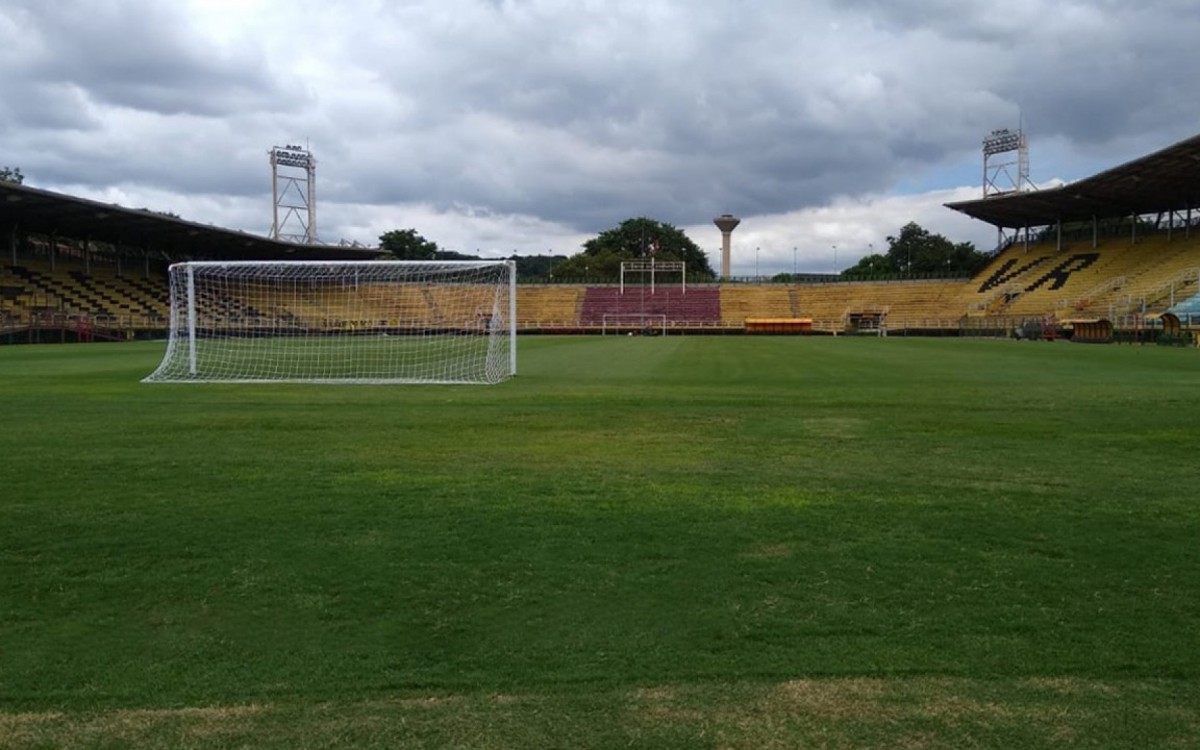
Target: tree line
{"type": "Point", "coordinates": [915, 251]}
{"type": "Point", "coordinates": [918, 252]}
{"type": "Point", "coordinates": [599, 260]}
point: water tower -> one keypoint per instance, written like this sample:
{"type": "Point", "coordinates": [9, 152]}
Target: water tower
{"type": "Point", "coordinates": [726, 223]}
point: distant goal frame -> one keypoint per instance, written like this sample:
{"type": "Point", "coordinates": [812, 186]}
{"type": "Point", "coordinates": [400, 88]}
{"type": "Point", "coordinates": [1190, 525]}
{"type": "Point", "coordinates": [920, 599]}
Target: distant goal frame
{"type": "Point", "coordinates": [613, 321]}
{"type": "Point", "coordinates": [654, 267]}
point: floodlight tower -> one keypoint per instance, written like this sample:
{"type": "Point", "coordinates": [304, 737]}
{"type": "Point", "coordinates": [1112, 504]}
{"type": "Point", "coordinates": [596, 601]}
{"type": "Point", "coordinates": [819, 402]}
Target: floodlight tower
{"type": "Point", "coordinates": [294, 194]}
{"type": "Point", "coordinates": [726, 223]}
{"type": "Point", "coordinates": [998, 175]}
{"type": "Point", "coordinates": [1004, 150]}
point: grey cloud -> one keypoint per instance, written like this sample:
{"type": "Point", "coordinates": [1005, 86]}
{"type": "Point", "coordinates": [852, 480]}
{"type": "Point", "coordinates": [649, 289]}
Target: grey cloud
{"type": "Point", "coordinates": [49, 108]}
{"type": "Point", "coordinates": [143, 56]}
{"type": "Point", "coordinates": [752, 128]}
{"type": "Point", "coordinates": [747, 120]}
{"type": "Point", "coordinates": [586, 114]}
{"type": "Point", "coordinates": [1089, 71]}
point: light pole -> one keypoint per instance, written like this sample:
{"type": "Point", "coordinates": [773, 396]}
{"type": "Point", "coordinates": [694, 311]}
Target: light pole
{"type": "Point", "coordinates": [793, 264]}
{"type": "Point", "coordinates": [835, 270]}
{"type": "Point", "coordinates": [756, 264]}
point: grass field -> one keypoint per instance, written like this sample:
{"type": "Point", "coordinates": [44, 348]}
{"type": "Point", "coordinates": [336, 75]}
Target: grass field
{"type": "Point", "coordinates": [638, 542]}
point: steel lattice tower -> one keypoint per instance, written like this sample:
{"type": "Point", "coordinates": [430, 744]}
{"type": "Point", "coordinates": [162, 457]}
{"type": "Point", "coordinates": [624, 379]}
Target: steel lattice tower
{"type": "Point", "coordinates": [998, 175]}
{"type": "Point", "coordinates": [294, 194]}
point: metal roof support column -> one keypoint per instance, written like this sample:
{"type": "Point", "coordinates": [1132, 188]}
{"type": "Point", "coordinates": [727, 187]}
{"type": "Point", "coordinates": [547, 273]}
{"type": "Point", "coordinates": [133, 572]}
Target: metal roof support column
{"type": "Point", "coordinates": [1133, 229]}
{"type": "Point", "coordinates": [1095, 231]}
{"type": "Point", "coordinates": [1058, 232]}
{"type": "Point", "coordinates": [12, 243]}
{"type": "Point", "coordinates": [87, 255]}
{"type": "Point", "coordinates": [53, 248]}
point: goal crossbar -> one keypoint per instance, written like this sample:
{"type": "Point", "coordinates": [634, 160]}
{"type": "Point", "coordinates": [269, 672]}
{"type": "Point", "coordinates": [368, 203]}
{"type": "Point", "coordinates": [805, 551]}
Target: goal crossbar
{"type": "Point", "coordinates": [654, 267]}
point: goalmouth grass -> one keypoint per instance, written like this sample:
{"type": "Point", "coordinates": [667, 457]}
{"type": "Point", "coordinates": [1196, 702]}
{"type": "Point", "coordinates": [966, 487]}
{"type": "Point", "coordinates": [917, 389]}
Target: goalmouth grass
{"type": "Point", "coordinates": [638, 542]}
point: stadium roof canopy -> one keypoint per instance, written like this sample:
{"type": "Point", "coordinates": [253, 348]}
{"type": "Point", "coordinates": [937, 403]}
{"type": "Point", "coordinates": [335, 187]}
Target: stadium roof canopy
{"type": "Point", "coordinates": [31, 210]}
{"type": "Point", "coordinates": [1166, 180]}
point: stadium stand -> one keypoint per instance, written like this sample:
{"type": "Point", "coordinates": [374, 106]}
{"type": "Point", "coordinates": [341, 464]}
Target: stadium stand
{"type": "Point", "coordinates": [1189, 307]}
{"type": "Point", "coordinates": [549, 306]}
{"type": "Point", "coordinates": [108, 299]}
{"type": "Point", "coordinates": [1006, 278]}
{"type": "Point", "coordinates": [739, 302]}
{"type": "Point", "coordinates": [1111, 278]}
{"type": "Point", "coordinates": [1154, 284]}
{"type": "Point", "coordinates": [697, 307]}
{"type": "Point", "coordinates": [895, 305]}
{"type": "Point", "coordinates": [1093, 263]}
{"type": "Point", "coordinates": [914, 305]}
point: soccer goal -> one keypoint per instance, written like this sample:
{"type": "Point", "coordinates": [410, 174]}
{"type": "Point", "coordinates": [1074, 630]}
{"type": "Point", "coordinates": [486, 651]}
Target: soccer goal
{"type": "Point", "coordinates": [341, 322]}
{"type": "Point", "coordinates": [633, 322]}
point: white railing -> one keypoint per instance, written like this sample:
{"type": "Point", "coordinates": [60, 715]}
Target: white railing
{"type": "Point", "coordinates": [1007, 289]}
{"type": "Point", "coordinates": [1155, 294]}
{"type": "Point", "coordinates": [1086, 298]}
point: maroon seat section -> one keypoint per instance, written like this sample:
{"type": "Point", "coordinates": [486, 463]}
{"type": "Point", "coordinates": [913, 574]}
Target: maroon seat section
{"type": "Point", "coordinates": [694, 306]}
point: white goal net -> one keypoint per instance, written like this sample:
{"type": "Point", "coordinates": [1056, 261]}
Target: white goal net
{"type": "Point", "coordinates": [341, 322]}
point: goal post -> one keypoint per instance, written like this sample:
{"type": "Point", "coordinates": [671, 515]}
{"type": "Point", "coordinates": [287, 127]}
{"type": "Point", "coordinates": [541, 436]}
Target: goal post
{"type": "Point", "coordinates": [653, 268]}
{"type": "Point", "coordinates": [341, 322]}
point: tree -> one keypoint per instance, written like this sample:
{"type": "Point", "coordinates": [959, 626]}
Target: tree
{"type": "Point", "coordinates": [536, 266]}
{"type": "Point", "coordinates": [917, 252]}
{"type": "Point", "coordinates": [871, 265]}
{"type": "Point", "coordinates": [12, 175]}
{"type": "Point", "coordinates": [634, 239]}
{"type": "Point", "coordinates": [453, 255]}
{"type": "Point", "coordinates": [406, 244]}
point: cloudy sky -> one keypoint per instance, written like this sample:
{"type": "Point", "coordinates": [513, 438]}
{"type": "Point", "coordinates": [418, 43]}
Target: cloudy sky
{"type": "Point", "coordinates": [531, 125]}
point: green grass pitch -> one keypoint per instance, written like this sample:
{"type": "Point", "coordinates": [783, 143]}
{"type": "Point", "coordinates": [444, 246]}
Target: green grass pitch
{"type": "Point", "coordinates": [678, 542]}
